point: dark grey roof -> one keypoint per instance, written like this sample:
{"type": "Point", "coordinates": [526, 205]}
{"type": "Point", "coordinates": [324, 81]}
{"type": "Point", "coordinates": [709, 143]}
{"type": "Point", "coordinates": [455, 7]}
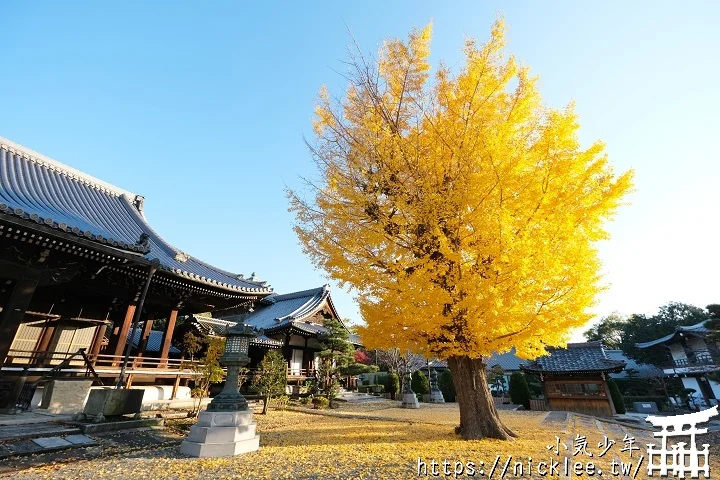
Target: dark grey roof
{"type": "Point", "coordinates": [154, 342]}
{"type": "Point", "coordinates": [644, 370]}
{"type": "Point", "coordinates": [588, 357]}
{"type": "Point", "coordinates": [40, 190]}
{"type": "Point", "coordinates": [439, 364]}
{"type": "Point", "coordinates": [508, 361]}
{"type": "Point", "coordinates": [292, 310]}
{"type": "Point", "coordinates": [697, 329]}
{"type": "Point", "coordinates": [218, 327]}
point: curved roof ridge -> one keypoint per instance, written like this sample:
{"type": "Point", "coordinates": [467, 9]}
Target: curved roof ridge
{"type": "Point", "coordinates": [316, 297]}
{"type": "Point", "coordinates": [303, 293]}
{"type": "Point", "coordinates": [60, 167]}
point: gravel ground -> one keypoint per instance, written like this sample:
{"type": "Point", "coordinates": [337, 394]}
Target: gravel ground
{"type": "Point", "coordinates": [297, 445]}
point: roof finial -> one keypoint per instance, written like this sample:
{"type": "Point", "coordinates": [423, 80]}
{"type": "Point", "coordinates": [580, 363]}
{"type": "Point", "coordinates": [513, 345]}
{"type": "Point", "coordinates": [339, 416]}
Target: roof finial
{"type": "Point", "coordinates": [144, 240]}
{"type": "Point", "coordinates": [139, 202]}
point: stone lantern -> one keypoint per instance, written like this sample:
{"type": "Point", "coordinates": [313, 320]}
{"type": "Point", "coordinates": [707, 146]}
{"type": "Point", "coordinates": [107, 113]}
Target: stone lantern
{"type": "Point", "coordinates": [226, 428]}
{"type": "Point", "coordinates": [409, 399]}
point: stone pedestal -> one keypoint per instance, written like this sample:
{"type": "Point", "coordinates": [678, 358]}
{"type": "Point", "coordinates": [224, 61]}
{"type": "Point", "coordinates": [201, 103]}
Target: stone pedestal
{"type": "Point", "coordinates": [65, 396]}
{"type": "Point", "coordinates": [436, 395]}
{"type": "Point", "coordinates": [221, 434]}
{"type": "Point", "coordinates": [410, 400]}
{"type": "Point", "coordinates": [112, 402]}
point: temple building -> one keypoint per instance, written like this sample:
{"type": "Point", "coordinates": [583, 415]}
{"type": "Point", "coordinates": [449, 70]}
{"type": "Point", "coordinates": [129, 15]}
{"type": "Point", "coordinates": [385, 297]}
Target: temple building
{"type": "Point", "coordinates": [296, 322]}
{"type": "Point", "coordinates": [575, 378]}
{"type": "Point", "coordinates": [75, 255]}
{"type": "Point", "coordinates": [688, 354]}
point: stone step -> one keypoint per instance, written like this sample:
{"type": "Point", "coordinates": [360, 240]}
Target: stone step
{"type": "Point", "coordinates": [28, 431]}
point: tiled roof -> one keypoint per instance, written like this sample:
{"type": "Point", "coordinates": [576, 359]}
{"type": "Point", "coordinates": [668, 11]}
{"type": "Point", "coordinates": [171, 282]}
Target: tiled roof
{"type": "Point", "coordinates": [697, 329]}
{"type": "Point", "coordinates": [508, 361]}
{"type": "Point", "coordinates": [280, 312]}
{"type": "Point", "coordinates": [40, 190]}
{"type": "Point", "coordinates": [218, 327]}
{"type": "Point", "coordinates": [644, 370]}
{"type": "Point", "coordinates": [154, 342]}
{"type": "Point", "coordinates": [588, 357]}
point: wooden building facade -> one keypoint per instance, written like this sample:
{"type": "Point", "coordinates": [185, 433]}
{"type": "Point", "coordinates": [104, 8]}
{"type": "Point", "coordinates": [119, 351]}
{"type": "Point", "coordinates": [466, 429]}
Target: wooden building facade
{"type": "Point", "coordinates": [575, 378]}
{"type": "Point", "coordinates": [75, 254]}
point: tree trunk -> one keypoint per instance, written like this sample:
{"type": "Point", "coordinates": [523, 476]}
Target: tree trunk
{"type": "Point", "coordinates": [478, 415]}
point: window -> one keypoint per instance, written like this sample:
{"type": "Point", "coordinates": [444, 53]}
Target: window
{"type": "Point", "coordinates": [575, 389]}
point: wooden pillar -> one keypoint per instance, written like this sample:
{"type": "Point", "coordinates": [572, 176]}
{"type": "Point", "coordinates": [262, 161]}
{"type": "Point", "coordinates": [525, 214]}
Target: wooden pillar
{"type": "Point", "coordinates": [608, 395]}
{"type": "Point", "coordinates": [176, 385]}
{"type": "Point", "coordinates": [124, 330]}
{"type": "Point", "coordinates": [97, 342]}
{"type": "Point", "coordinates": [14, 311]}
{"type": "Point", "coordinates": [145, 334]}
{"type": "Point", "coordinates": [167, 335]}
{"type": "Point", "coordinates": [44, 341]}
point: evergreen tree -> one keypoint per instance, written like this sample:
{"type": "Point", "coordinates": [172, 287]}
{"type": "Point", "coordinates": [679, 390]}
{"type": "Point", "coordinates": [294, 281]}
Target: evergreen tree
{"type": "Point", "coordinates": [420, 383]}
{"type": "Point", "coordinates": [336, 358]}
{"type": "Point", "coordinates": [271, 376]}
{"type": "Point", "coordinates": [519, 390]}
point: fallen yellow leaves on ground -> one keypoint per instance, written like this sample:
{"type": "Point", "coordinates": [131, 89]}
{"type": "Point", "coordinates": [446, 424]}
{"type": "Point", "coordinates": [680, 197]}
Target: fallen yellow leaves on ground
{"type": "Point", "coordinates": [297, 445]}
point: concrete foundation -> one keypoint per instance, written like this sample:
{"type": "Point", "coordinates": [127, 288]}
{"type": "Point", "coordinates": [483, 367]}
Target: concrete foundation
{"type": "Point", "coordinates": [111, 402]}
{"type": "Point", "coordinates": [65, 396]}
{"type": "Point", "coordinates": [222, 434]}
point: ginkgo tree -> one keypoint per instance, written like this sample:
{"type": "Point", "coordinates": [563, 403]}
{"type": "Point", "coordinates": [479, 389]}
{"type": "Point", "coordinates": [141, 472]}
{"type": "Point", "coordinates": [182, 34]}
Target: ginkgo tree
{"type": "Point", "coordinates": [462, 210]}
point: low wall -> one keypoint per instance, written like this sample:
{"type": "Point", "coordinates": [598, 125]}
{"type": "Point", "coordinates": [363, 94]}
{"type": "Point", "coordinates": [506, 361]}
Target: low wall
{"type": "Point", "coordinates": [156, 397]}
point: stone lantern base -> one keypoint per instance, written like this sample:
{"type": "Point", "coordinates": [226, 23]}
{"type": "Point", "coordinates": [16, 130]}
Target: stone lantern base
{"type": "Point", "coordinates": [436, 396]}
{"type": "Point", "coordinates": [409, 400]}
{"type": "Point", "coordinates": [221, 434]}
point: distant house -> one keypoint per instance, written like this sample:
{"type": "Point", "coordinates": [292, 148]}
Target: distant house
{"type": "Point", "coordinates": [575, 378]}
{"type": "Point", "coordinates": [691, 358]}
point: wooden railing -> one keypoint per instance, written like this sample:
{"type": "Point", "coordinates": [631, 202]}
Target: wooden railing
{"type": "Point", "coordinates": [699, 358]}
{"type": "Point", "coordinates": [37, 359]}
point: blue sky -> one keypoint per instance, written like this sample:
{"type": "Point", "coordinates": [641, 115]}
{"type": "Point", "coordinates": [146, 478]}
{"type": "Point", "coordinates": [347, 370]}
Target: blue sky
{"type": "Point", "coordinates": [202, 107]}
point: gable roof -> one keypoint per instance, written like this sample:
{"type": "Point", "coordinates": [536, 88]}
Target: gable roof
{"type": "Point", "coordinates": [587, 357]}
{"type": "Point", "coordinates": [698, 329]}
{"type": "Point", "coordinates": [279, 312]}
{"type": "Point", "coordinates": [40, 190]}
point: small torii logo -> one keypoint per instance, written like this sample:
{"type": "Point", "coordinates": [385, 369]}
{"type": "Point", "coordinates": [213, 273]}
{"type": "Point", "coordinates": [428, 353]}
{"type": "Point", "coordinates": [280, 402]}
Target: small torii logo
{"type": "Point", "coordinates": [678, 460]}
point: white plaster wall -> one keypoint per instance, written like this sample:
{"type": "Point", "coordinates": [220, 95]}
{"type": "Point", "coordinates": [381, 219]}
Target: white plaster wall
{"type": "Point", "coordinates": [677, 351]}
{"type": "Point", "coordinates": [715, 388]}
{"type": "Point", "coordinates": [697, 344]}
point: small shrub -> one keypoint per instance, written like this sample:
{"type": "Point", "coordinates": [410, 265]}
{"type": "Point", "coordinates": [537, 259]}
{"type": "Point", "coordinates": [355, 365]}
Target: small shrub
{"type": "Point", "coordinates": [320, 403]}
{"type": "Point", "coordinates": [519, 390]}
{"type": "Point", "coordinates": [420, 382]}
{"type": "Point", "coordinates": [305, 400]}
{"type": "Point", "coordinates": [281, 402]}
{"type": "Point", "coordinates": [617, 397]}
